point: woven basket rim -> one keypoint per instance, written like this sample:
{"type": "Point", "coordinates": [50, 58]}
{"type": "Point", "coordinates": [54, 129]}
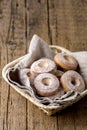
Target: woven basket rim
{"type": "Point", "coordinates": [42, 106]}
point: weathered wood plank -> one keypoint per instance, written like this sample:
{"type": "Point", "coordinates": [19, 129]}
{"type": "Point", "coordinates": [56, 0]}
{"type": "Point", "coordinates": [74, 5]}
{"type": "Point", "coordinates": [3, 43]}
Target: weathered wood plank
{"type": "Point", "coordinates": [57, 22]}
{"type": "Point", "coordinates": [37, 22]}
{"type": "Point", "coordinates": [65, 118]}
{"type": "Point", "coordinates": [80, 114]}
{"type": "Point", "coordinates": [13, 106]}
{"type": "Point", "coordinates": [4, 25]}
{"type": "Point", "coordinates": [66, 30]}
{"type": "Point", "coordinates": [38, 19]}
{"type": "Point", "coordinates": [68, 23]}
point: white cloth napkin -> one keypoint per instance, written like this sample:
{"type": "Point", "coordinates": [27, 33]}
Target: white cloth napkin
{"type": "Point", "coordinates": [39, 48]}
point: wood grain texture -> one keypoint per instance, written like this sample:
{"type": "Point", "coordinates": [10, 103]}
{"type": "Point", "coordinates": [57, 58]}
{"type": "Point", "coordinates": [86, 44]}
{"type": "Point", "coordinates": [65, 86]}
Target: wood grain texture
{"type": "Point", "coordinates": [13, 106]}
{"type": "Point", "coordinates": [58, 22]}
{"type": "Point", "coordinates": [38, 23]}
{"type": "Point", "coordinates": [68, 23]}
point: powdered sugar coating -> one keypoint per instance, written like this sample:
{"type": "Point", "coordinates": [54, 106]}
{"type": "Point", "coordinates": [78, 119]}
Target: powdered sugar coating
{"type": "Point", "coordinates": [65, 61]}
{"type": "Point", "coordinates": [46, 84]}
{"type": "Point", "coordinates": [71, 80]}
{"type": "Point", "coordinates": [43, 65]}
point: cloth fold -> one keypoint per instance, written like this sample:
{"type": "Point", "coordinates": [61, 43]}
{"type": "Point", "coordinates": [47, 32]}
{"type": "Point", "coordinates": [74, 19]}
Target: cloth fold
{"type": "Point", "coordinates": [38, 48]}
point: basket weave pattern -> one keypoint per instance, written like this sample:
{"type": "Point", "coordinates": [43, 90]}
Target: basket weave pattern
{"type": "Point", "coordinates": [48, 109]}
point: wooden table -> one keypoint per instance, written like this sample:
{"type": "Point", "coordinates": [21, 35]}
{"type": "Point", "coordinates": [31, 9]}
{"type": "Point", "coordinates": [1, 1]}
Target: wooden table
{"type": "Point", "coordinates": [60, 22]}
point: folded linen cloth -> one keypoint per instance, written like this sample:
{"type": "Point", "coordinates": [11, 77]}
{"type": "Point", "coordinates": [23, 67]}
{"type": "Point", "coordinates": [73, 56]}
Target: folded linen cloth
{"type": "Point", "coordinates": [38, 48]}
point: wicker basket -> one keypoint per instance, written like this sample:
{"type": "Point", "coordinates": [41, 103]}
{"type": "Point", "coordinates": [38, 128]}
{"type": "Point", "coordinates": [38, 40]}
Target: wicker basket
{"type": "Point", "coordinates": [47, 109]}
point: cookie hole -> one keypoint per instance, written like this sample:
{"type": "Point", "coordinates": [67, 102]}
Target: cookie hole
{"type": "Point", "coordinates": [28, 74]}
{"type": "Point", "coordinates": [46, 81]}
{"type": "Point", "coordinates": [43, 65]}
{"type": "Point", "coordinates": [73, 82]}
{"type": "Point", "coordinates": [67, 58]}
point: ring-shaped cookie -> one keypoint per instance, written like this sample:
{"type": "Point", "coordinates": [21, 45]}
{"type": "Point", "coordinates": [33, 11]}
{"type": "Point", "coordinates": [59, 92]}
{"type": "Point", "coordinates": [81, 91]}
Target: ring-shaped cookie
{"type": "Point", "coordinates": [71, 80]}
{"type": "Point", "coordinates": [43, 65]}
{"type": "Point", "coordinates": [46, 84]}
{"type": "Point", "coordinates": [65, 61]}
